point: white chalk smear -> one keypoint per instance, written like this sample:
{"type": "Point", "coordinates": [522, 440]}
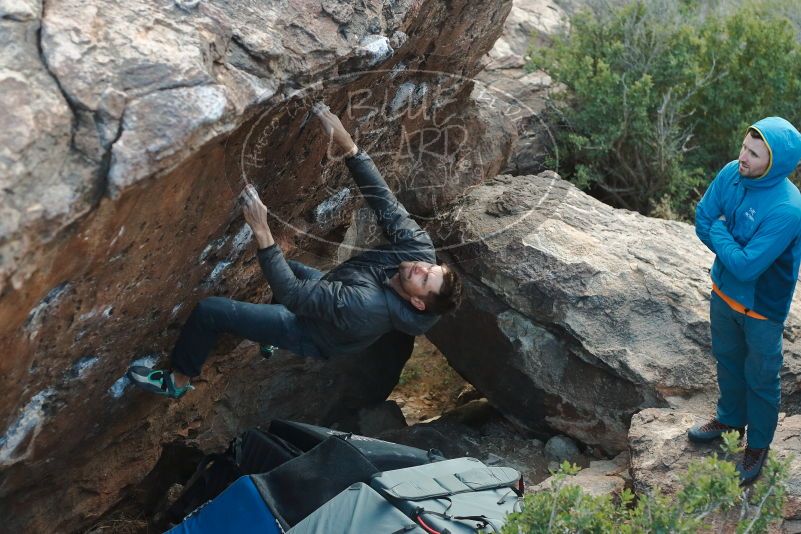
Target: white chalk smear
{"type": "Point", "coordinates": [80, 367]}
{"type": "Point", "coordinates": [326, 210]}
{"type": "Point", "coordinates": [27, 426]}
{"type": "Point", "coordinates": [408, 94]}
{"type": "Point", "coordinates": [217, 272]}
{"type": "Point", "coordinates": [37, 313]}
{"type": "Point", "coordinates": [397, 69]}
{"type": "Point", "coordinates": [241, 240]}
{"type": "Point", "coordinates": [377, 47]}
{"type": "Point", "coordinates": [403, 96]}
{"type": "Point", "coordinates": [88, 315]}
{"type": "Point", "coordinates": [119, 234]}
{"type": "Point", "coordinates": [214, 246]}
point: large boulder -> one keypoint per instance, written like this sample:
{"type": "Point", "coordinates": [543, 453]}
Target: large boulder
{"type": "Point", "coordinates": [578, 315]}
{"type": "Point", "coordinates": [43, 180]}
{"type": "Point", "coordinates": [530, 23]}
{"type": "Point", "coordinates": [128, 131]}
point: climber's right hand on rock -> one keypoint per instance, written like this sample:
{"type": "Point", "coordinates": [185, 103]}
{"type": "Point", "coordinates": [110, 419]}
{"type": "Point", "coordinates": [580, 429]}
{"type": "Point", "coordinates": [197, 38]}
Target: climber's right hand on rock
{"type": "Point", "coordinates": [255, 213]}
{"type": "Point", "coordinates": [333, 128]}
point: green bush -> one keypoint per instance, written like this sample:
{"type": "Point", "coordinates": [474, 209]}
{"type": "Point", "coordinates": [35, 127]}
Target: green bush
{"type": "Point", "coordinates": [654, 97]}
{"type": "Point", "coordinates": [711, 491]}
{"type": "Point", "coordinates": [408, 375]}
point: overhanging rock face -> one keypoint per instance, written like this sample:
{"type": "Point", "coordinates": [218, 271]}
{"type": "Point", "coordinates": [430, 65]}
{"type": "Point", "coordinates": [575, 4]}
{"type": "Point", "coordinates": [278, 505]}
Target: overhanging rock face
{"type": "Point", "coordinates": [579, 315]}
{"type": "Point", "coordinates": [128, 130]}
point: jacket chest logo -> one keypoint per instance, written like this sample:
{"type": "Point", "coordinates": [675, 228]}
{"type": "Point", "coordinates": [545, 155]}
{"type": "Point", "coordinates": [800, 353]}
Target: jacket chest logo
{"type": "Point", "coordinates": [750, 213]}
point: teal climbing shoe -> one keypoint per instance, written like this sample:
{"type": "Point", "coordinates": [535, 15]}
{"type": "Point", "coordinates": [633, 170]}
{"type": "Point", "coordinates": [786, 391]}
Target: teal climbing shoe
{"type": "Point", "coordinates": [157, 381]}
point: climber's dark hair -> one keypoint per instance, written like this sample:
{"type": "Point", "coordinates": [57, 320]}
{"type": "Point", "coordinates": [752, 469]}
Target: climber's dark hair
{"type": "Point", "coordinates": [755, 133]}
{"type": "Point", "coordinates": [450, 293]}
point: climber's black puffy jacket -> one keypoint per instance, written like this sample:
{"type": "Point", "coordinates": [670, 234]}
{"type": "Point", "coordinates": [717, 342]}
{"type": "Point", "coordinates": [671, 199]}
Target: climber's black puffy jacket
{"type": "Point", "coordinates": [353, 305]}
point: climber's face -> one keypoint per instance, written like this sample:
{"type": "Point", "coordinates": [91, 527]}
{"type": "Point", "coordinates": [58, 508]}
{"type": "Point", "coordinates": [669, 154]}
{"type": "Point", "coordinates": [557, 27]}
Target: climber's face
{"type": "Point", "coordinates": [418, 280]}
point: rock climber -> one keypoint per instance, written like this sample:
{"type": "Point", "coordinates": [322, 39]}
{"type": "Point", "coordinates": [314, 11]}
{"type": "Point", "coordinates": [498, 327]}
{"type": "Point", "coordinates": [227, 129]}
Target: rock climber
{"type": "Point", "coordinates": [750, 217]}
{"type": "Point", "coordinates": [397, 286]}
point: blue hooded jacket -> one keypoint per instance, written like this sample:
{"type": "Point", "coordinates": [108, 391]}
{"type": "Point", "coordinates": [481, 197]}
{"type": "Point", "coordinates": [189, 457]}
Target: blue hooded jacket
{"type": "Point", "coordinates": [758, 245]}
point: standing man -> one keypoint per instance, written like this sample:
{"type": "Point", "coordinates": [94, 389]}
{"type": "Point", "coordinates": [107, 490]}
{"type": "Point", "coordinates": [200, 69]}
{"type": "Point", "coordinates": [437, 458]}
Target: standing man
{"type": "Point", "coordinates": [398, 286]}
{"type": "Point", "coordinates": [750, 217]}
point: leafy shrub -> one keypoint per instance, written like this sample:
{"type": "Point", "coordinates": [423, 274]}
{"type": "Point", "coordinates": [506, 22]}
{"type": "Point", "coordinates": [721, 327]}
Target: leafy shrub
{"type": "Point", "coordinates": [711, 491]}
{"type": "Point", "coordinates": [653, 98]}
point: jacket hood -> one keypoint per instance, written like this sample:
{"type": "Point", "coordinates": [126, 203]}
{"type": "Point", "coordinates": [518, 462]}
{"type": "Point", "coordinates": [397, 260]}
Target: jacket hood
{"type": "Point", "coordinates": [407, 319]}
{"type": "Point", "coordinates": [784, 147]}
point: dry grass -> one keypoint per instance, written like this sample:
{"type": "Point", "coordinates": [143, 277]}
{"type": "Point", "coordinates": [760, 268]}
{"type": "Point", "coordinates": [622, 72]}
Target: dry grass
{"type": "Point", "coordinates": [120, 524]}
{"type": "Point", "coordinates": [428, 385]}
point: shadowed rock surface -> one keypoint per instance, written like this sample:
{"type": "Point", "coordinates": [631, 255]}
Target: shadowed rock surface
{"type": "Point", "coordinates": [128, 130]}
{"type": "Point", "coordinates": [579, 315]}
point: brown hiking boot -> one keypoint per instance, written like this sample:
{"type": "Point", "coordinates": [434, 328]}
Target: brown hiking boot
{"type": "Point", "coordinates": [710, 431]}
{"type": "Point", "coordinates": [751, 465]}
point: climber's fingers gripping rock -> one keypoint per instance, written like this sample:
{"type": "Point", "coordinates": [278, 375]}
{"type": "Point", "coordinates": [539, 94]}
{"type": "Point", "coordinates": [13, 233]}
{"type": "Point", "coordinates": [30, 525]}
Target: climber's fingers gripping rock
{"type": "Point", "coordinates": [254, 210]}
{"type": "Point", "coordinates": [333, 127]}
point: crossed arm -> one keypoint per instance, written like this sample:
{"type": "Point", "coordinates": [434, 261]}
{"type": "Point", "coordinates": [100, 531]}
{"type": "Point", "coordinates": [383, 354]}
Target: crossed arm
{"type": "Point", "coordinates": [745, 262]}
{"type": "Point", "coordinates": [748, 262]}
{"type": "Point", "coordinates": [709, 210]}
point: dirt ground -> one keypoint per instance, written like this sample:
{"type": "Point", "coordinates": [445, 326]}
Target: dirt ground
{"type": "Point", "coordinates": [428, 386]}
